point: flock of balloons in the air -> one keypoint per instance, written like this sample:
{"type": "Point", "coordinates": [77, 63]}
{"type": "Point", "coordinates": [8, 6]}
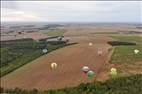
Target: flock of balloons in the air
{"type": "Point", "coordinates": [86, 69]}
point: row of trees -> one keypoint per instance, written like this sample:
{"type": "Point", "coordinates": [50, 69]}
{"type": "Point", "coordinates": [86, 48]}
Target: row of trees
{"type": "Point", "coordinates": [118, 43]}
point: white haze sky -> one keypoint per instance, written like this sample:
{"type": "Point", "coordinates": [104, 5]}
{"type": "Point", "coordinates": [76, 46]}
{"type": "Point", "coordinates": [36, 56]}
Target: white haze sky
{"type": "Point", "coordinates": [72, 11]}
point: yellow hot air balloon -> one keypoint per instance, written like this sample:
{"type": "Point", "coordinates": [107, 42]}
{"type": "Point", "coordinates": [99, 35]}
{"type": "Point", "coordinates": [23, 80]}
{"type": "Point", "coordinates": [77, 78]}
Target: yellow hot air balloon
{"type": "Point", "coordinates": [54, 65]}
{"type": "Point", "coordinates": [113, 72]}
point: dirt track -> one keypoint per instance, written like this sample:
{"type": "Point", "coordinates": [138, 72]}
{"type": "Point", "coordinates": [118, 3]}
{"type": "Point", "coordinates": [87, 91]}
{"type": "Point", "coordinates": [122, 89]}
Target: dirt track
{"type": "Point", "coordinates": [70, 60]}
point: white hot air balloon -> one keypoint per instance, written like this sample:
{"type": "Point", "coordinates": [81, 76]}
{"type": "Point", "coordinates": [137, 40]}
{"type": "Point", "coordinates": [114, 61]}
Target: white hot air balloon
{"type": "Point", "coordinates": [100, 52]}
{"type": "Point", "coordinates": [90, 44]}
{"type": "Point", "coordinates": [85, 69]}
{"type": "Point", "coordinates": [136, 51]}
{"type": "Point", "coordinates": [44, 51]}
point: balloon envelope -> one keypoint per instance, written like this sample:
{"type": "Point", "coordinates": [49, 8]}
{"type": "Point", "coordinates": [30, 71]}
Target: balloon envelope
{"type": "Point", "coordinates": [53, 65]}
{"type": "Point", "coordinates": [90, 73]}
{"type": "Point", "coordinates": [113, 72]}
{"type": "Point", "coordinates": [100, 52]}
{"type": "Point", "coordinates": [136, 51]}
{"type": "Point", "coordinates": [113, 69]}
{"type": "Point", "coordinates": [85, 69]}
{"type": "Point", "coordinates": [44, 50]}
{"type": "Point", "coordinates": [90, 44]}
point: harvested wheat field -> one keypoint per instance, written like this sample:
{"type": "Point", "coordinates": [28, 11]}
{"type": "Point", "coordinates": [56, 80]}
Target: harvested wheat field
{"type": "Point", "coordinates": [70, 60]}
{"type": "Point", "coordinates": [33, 35]}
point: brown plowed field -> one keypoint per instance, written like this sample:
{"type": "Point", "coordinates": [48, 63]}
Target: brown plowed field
{"type": "Point", "coordinates": [70, 60]}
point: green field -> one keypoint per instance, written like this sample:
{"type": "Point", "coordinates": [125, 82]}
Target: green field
{"type": "Point", "coordinates": [122, 85]}
{"type": "Point", "coordinates": [17, 53]}
{"type": "Point", "coordinates": [125, 54]}
{"type": "Point", "coordinates": [55, 32]}
{"type": "Point", "coordinates": [132, 38]}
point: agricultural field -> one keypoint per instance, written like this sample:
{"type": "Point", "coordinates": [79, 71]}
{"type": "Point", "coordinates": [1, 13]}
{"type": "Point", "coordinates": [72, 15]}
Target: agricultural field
{"type": "Point", "coordinates": [71, 47]}
{"type": "Point", "coordinates": [39, 75]}
{"type": "Point", "coordinates": [15, 54]}
{"type": "Point", "coordinates": [124, 58]}
{"type": "Point", "coordinates": [125, 54]}
{"type": "Point", "coordinates": [55, 32]}
{"type": "Point", "coordinates": [129, 38]}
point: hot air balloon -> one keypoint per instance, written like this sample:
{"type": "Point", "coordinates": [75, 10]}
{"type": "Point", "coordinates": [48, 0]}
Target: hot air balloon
{"type": "Point", "coordinates": [90, 73]}
{"type": "Point", "coordinates": [136, 51]}
{"type": "Point", "coordinates": [45, 50]}
{"type": "Point", "coordinates": [54, 65]}
{"type": "Point", "coordinates": [113, 72]}
{"type": "Point", "coordinates": [90, 44]}
{"type": "Point", "coordinates": [100, 52]}
{"type": "Point", "coordinates": [85, 69]}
